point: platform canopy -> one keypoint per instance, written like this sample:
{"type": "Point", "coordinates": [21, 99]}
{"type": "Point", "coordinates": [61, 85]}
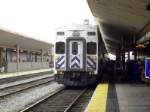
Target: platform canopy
{"type": "Point", "coordinates": [117, 19]}
{"type": "Point", "coordinates": [10, 39]}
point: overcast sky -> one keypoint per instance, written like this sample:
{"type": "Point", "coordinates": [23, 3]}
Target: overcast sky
{"type": "Point", "coordinates": [39, 18]}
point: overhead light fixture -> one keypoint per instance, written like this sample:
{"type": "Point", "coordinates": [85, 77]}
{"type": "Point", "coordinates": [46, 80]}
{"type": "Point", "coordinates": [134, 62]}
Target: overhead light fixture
{"type": "Point", "coordinates": [140, 46]}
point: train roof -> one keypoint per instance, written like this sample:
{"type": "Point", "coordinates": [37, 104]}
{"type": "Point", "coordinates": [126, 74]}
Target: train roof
{"type": "Point", "coordinates": [75, 27]}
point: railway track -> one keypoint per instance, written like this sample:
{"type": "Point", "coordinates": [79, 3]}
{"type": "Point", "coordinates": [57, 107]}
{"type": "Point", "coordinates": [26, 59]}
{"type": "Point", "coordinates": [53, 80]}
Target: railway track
{"type": "Point", "coordinates": [83, 101]}
{"type": "Point", "coordinates": [10, 90]}
{"type": "Point", "coordinates": [65, 100]}
{"type": "Point", "coordinates": [22, 77]}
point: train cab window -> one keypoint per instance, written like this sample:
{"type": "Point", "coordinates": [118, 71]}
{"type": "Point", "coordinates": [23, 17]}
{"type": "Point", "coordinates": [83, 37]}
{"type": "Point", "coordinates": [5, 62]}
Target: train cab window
{"type": "Point", "coordinates": [74, 48]}
{"type": "Point", "coordinates": [60, 48]}
{"type": "Point", "coordinates": [91, 48]}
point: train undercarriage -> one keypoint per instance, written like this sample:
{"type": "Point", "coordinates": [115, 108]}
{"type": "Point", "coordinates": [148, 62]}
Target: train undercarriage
{"type": "Point", "coordinates": [76, 78]}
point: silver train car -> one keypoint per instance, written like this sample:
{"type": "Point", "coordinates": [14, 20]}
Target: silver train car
{"type": "Point", "coordinates": [76, 55]}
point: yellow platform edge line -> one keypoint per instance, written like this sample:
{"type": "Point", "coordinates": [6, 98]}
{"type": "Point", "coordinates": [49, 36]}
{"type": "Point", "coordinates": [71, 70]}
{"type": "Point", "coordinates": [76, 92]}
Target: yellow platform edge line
{"type": "Point", "coordinates": [99, 99]}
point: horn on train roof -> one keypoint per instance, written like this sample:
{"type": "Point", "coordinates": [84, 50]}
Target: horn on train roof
{"type": "Point", "coordinates": [86, 22]}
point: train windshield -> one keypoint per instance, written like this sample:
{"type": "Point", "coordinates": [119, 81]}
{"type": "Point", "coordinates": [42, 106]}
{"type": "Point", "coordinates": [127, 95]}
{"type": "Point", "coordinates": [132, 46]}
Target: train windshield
{"type": "Point", "coordinates": [91, 48]}
{"type": "Point", "coordinates": [60, 48]}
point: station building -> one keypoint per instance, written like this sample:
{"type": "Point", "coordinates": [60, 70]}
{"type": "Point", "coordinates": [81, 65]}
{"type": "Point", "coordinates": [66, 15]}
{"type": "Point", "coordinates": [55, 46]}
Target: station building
{"type": "Point", "coordinates": [20, 52]}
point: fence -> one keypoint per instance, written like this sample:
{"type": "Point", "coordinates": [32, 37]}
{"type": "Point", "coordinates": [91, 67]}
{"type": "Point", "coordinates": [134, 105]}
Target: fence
{"type": "Point", "coordinates": [23, 66]}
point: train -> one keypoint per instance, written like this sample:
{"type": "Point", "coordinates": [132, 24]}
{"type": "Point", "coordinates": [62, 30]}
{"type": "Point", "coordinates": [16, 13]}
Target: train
{"type": "Point", "coordinates": [76, 61]}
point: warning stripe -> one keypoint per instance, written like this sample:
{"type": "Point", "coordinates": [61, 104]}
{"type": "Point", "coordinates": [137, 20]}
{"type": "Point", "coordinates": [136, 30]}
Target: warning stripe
{"type": "Point", "coordinates": [99, 99]}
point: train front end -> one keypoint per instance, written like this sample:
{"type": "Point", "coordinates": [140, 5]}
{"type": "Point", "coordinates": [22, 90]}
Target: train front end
{"type": "Point", "coordinates": [76, 52]}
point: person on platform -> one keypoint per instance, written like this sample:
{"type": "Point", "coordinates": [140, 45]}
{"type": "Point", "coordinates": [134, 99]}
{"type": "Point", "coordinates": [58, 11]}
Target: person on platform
{"type": "Point", "coordinates": [109, 68]}
{"type": "Point", "coordinates": [118, 68]}
{"type": "Point", "coordinates": [135, 71]}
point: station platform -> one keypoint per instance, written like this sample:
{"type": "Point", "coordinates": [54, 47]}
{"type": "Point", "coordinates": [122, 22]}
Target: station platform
{"type": "Point", "coordinates": [111, 96]}
{"type": "Point", "coordinates": [13, 74]}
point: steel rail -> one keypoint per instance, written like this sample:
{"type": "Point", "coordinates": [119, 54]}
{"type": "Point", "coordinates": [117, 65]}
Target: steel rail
{"type": "Point", "coordinates": [32, 81]}
{"type": "Point", "coordinates": [69, 107]}
{"type": "Point", "coordinates": [22, 77]}
{"type": "Point", "coordinates": [8, 94]}
{"type": "Point", "coordinates": [40, 101]}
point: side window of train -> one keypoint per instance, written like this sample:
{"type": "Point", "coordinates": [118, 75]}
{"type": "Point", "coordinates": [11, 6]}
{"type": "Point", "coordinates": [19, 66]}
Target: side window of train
{"type": "Point", "coordinates": [60, 48]}
{"type": "Point", "coordinates": [74, 48]}
{"type": "Point", "coordinates": [91, 48]}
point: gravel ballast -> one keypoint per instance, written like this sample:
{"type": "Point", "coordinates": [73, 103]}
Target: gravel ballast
{"type": "Point", "coordinates": [24, 81]}
{"type": "Point", "coordinates": [19, 101]}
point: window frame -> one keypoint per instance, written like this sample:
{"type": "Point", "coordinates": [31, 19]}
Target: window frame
{"type": "Point", "coordinates": [95, 45]}
{"type": "Point", "coordinates": [56, 52]}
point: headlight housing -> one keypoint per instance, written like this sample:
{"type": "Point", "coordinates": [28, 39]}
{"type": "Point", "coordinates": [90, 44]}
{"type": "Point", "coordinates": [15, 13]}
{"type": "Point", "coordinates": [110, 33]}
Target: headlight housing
{"type": "Point", "coordinates": [56, 57]}
{"type": "Point", "coordinates": [94, 57]}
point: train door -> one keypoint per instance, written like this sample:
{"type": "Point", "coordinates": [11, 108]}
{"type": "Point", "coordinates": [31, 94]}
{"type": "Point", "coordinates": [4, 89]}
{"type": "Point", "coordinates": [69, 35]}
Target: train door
{"type": "Point", "coordinates": [75, 54]}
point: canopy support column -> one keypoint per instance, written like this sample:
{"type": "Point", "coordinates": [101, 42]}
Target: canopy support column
{"type": "Point", "coordinates": [123, 53]}
{"type": "Point", "coordinates": [1, 54]}
{"type": "Point", "coordinates": [17, 56]}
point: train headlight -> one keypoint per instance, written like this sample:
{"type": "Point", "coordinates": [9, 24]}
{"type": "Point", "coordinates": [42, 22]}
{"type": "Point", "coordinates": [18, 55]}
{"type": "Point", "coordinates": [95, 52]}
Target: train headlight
{"type": "Point", "coordinates": [56, 57]}
{"type": "Point", "coordinates": [61, 73]}
{"type": "Point", "coordinates": [90, 73]}
{"type": "Point", "coordinates": [94, 57]}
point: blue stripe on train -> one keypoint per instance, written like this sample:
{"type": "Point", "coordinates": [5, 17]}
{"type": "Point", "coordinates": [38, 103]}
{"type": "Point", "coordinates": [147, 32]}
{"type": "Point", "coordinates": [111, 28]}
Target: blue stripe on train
{"type": "Point", "coordinates": [75, 58]}
{"type": "Point", "coordinates": [62, 63]}
{"type": "Point", "coordinates": [91, 60]}
{"type": "Point", "coordinates": [60, 59]}
{"type": "Point", "coordinates": [75, 65]}
{"type": "Point", "coordinates": [89, 64]}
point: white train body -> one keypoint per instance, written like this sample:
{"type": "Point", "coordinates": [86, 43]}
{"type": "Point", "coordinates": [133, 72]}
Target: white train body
{"type": "Point", "coordinates": [76, 55]}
